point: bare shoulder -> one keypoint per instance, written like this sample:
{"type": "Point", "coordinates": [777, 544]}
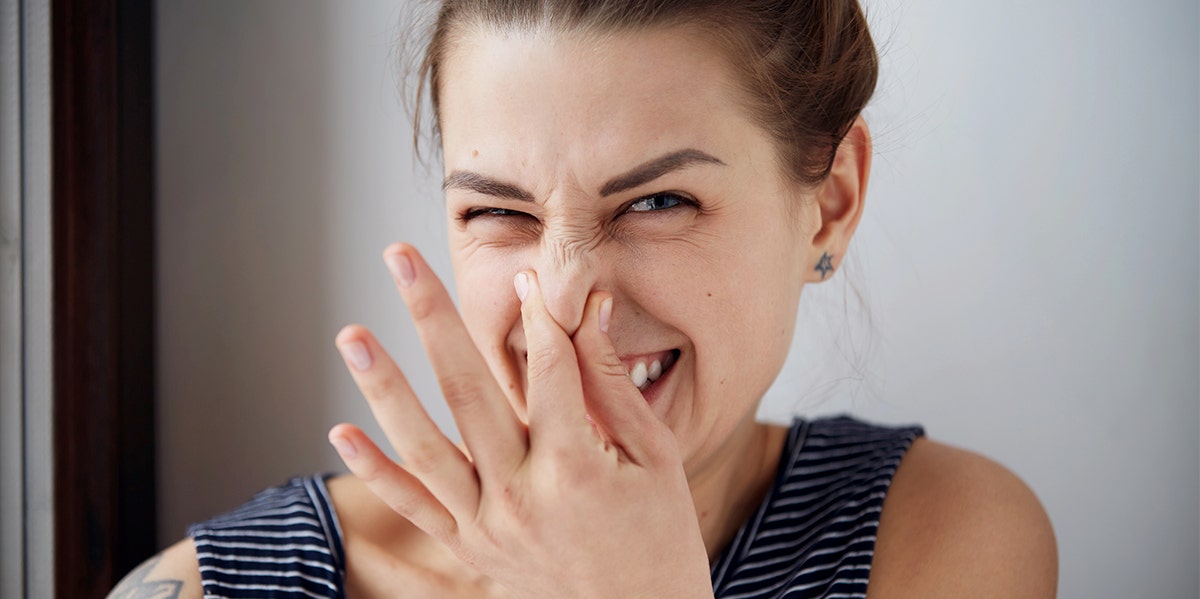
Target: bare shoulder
{"type": "Point", "coordinates": [172, 574]}
{"type": "Point", "coordinates": [956, 524]}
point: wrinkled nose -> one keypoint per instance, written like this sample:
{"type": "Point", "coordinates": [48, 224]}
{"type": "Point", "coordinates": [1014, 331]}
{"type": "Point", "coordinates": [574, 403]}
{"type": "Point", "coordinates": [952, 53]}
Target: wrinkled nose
{"type": "Point", "coordinates": [567, 275]}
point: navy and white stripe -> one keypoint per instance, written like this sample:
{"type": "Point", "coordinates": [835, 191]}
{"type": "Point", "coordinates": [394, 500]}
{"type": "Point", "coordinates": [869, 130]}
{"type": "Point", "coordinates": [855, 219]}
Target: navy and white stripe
{"type": "Point", "coordinates": [813, 536]}
{"type": "Point", "coordinates": [285, 542]}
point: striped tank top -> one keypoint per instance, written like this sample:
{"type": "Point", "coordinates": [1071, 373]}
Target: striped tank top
{"type": "Point", "coordinates": [813, 535]}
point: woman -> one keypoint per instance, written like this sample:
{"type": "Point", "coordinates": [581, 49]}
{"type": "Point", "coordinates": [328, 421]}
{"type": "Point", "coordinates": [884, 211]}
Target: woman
{"type": "Point", "coordinates": [637, 193]}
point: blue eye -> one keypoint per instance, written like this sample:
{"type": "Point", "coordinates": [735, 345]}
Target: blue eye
{"type": "Point", "coordinates": [654, 203]}
{"type": "Point", "coordinates": [501, 212]}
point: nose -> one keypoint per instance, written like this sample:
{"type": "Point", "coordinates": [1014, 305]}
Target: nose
{"type": "Point", "coordinates": [567, 274]}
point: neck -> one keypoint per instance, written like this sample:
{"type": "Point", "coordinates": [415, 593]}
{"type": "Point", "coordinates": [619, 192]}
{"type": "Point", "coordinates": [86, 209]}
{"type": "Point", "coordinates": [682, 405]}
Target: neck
{"type": "Point", "coordinates": [727, 490]}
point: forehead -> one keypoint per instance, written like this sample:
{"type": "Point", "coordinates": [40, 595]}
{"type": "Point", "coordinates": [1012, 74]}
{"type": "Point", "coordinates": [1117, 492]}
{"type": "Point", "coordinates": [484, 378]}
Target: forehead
{"type": "Point", "coordinates": [536, 95]}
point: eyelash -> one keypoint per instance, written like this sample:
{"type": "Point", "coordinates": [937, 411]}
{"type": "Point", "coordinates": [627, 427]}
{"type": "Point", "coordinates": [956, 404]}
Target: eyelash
{"type": "Point", "coordinates": [472, 213]}
{"type": "Point", "coordinates": [678, 199]}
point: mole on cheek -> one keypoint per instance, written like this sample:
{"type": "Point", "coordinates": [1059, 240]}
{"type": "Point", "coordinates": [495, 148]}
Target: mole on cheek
{"type": "Point", "coordinates": [474, 153]}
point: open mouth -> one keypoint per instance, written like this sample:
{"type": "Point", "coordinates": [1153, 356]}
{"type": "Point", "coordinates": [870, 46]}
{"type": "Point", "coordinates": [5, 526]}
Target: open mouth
{"type": "Point", "coordinates": [644, 370]}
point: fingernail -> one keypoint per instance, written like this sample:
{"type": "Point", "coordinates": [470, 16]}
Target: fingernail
{"type": "Point", "coordinates": [344, 447]}
{"type": "Point", "coordinates": [605, 314]}
{"type": "Point", "coordinates": [521, 283]}
{"type": "Point", "coordinates": [401, 268]}
{"type": "Point", "coordinates": [357, 355]}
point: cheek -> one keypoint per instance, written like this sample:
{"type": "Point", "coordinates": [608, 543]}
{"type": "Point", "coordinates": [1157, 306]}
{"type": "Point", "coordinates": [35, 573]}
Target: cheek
{"type": "Point", "coordinates": [746, 336]}
{"type": "Point", "coordinates": [743, 330]}
{"type": "Point", "coordinates": [487, 301]}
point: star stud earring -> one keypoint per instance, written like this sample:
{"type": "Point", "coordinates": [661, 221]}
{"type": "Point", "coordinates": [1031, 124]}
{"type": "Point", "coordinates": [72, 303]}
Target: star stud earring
{"type": "Point", "coordinates": [825, 266]}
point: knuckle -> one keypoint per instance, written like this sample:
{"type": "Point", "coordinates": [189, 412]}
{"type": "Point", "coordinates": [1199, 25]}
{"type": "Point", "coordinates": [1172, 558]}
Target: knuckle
{"type": "Point", "coordinates": [423, 306]}
{"type": "Point", "coordinates": [387, 386]}
{"type": "Point", "coordinates": [404, 504]}
{"type": "Point", "coordinates": [369, 470]}
{"type": "Point", "coordinates": [422, 458]}
{"type": "Point", "coordinates": [544, 359]}
{"type": "Point", "coordinates": [610, 365]}
{"type": "Point", "coordinates": [461, 390]}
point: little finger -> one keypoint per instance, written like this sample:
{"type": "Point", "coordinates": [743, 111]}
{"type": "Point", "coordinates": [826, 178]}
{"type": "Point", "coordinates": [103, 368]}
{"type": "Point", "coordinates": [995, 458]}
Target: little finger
{"type": "Point", "coordinates": [394, 485]}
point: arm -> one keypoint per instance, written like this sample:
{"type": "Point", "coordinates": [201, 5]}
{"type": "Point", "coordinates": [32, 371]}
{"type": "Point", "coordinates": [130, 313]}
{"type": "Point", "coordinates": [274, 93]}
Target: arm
{"type": "Point", "coordinates": [956, 524]}
{"type": "Point", "coordinates": [172, 574]}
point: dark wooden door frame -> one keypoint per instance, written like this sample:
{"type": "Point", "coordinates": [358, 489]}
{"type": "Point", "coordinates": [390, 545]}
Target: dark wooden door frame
{"type": "Point", "coordinates": [103, 296]}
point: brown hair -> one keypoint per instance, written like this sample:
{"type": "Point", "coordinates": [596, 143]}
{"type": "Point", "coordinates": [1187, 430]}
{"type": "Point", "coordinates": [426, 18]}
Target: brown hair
{"type": "Point", "coordinates": [808, 66]}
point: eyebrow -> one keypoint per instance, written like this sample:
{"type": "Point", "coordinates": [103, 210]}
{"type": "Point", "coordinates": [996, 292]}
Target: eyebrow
{"type": "Point", "coordinates": [485, 185]}
{"type": "Point", "coordinates": [635, 177]}
{"type": "Point", "coordinates": [653, 169]}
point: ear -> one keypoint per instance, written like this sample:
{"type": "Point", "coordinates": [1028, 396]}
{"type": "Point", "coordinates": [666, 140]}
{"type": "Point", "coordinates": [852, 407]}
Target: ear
{"type": "Point", "coordinates": [840, 198]}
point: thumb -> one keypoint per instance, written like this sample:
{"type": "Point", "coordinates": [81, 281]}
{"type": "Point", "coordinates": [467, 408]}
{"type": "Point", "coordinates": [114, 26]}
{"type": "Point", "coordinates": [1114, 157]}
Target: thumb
{"type": "Point", "coordinates": [614, 403]}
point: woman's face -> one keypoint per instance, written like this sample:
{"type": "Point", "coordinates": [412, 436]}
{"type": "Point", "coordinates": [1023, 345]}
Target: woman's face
{"type": "Point", "coordinates": [626, 164]}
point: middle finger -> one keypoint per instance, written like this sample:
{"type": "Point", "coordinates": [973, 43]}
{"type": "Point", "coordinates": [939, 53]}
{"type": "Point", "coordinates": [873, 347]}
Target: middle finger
{"type": "Point", "coordinates": [494, 436]}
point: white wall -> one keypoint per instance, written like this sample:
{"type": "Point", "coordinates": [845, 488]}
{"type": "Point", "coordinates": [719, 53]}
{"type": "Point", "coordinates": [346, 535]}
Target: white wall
{"type": "Point", "coordinates": [1029, 256]}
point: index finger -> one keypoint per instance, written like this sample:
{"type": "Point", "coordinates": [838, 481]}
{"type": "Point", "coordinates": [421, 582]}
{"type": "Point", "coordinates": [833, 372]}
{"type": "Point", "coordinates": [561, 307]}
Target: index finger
{"type": "Point", "coordinates": [555, 390]}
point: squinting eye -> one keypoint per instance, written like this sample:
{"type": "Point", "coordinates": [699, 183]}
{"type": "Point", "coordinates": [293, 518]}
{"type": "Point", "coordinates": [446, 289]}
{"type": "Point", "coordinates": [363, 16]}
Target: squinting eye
{"type": "Point", "coordinates": [654, 203]}
{"type": "Point", "coordinates": [477, 212]}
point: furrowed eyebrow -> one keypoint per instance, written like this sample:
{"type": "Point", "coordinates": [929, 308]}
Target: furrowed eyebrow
{"type": "Point", "coordinates": [485, 185]}
{"type": "Point", "coordinates": [653, 169]}
{"type": "Point", "coordinates": [635, 177]}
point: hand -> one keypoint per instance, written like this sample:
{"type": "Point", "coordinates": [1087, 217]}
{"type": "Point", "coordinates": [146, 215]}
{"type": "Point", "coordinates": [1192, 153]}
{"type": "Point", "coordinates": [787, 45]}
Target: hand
{"type": "Point", "coordinates": [565, 506]}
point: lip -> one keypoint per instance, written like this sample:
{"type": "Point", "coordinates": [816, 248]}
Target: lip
{"type": "Point", "coordinates": [658, 388]}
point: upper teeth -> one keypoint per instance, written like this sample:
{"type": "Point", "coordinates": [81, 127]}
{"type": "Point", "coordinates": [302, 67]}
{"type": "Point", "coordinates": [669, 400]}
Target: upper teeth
{"type": "Point", "coordinates": [643, 375]}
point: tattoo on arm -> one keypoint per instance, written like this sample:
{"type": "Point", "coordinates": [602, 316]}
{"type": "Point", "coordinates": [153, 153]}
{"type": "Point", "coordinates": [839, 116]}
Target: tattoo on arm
{"type": "Point", "coordinates": [135, 585]}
